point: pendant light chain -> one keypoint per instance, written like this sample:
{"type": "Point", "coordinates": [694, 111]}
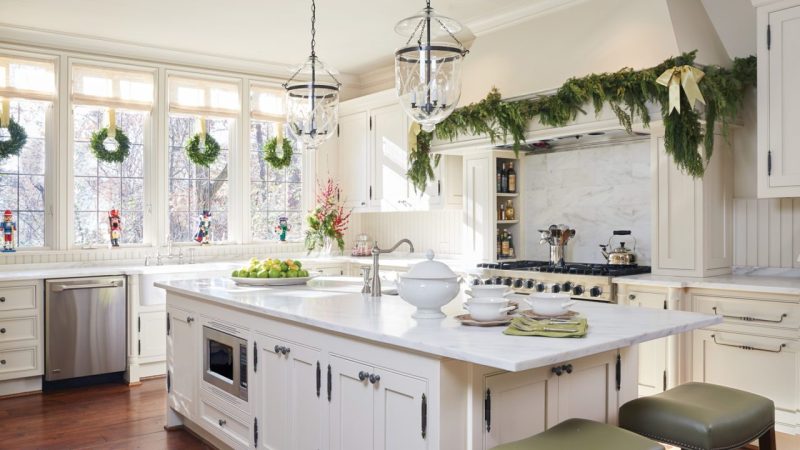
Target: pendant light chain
{"type": "Point", "coordinates": [313, 28]}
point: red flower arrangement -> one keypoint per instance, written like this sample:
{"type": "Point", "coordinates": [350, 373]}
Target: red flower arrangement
{"type": "Point", "coordinates": [329, 220]}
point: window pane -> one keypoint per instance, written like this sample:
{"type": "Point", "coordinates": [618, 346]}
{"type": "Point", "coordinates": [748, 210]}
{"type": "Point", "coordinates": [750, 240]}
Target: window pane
{"type": "Point", "coordinates": [100, 186]}
{"type": "Point", "coordinates": [273, 193]}
{"type": "Point", "coordinates": [22, 187]}
{"type": "Point", "coordinates": [193, 188]}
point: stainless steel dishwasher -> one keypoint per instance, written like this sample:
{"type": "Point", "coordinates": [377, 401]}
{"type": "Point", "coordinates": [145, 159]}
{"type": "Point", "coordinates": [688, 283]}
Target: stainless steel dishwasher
{"type": "Point", "coordinates": [85, 327]}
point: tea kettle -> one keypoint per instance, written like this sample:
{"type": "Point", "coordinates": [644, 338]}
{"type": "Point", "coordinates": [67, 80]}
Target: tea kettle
{"type": "Point", "coordinates": [620, 256]}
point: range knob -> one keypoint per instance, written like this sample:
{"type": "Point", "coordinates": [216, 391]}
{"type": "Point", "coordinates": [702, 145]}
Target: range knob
{"type": "Point", "coordinates": [498, 280]}
{"type": "Point", "coordinates": [488, 281]}
{"type": "Point", "coordinates": [530, 284]}
{"type": "Point", "coordinates": [595, 291]}
{"type": "Point", "coordinates": [477, 282]}
{"type": "Point", "coordinates": [556, 288]}
{"type": "Point", "coordinates": [567, 286]}
{"type": "Point", "coordinates": [508, 281]}
{"type": "Point", "coordinates": [518, 283]}
{"type": "Point", "coordinates": [577, 290]}
{"type": "Point", "coordinates": [540, 287]}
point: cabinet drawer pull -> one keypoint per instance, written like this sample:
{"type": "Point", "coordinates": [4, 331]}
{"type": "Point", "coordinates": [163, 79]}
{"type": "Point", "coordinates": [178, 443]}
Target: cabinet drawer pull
{"type": "Point", "coordinates": [362, 375]}
{"type": "Point", "coordinates": [374, 378]}
{"type": "Point", "coordinates": [750, 319]}
{"type": "Point", "coordinates": [748, 347]}
{"type": "Point", "coordinates": [222, 422]}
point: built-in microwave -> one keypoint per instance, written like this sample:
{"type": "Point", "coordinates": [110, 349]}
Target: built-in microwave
{"type": "Point", "coordinates": [225, 362]}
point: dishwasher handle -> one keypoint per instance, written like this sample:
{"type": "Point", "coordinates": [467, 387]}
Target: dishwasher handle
{"type": "Point", "coordinates": [71, 287]}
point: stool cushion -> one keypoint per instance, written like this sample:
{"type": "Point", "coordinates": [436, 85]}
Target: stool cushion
{"type": "Point", "coordinates": [581, 434]}
{"type": "Point", "coordinates": [700, 416]}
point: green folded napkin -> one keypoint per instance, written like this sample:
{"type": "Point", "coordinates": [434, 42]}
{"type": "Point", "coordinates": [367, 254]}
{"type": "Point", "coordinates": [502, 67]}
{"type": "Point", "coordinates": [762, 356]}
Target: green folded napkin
{"type": "Point", "coordinates": [526, 326]}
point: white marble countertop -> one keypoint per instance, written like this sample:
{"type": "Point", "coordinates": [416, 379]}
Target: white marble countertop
{"type": "Point", "coordinates": [388, 321]}
{"type": "Point", "coordinates": [774, 281]}
{"type": "Point", "coordinates": [70, 270]}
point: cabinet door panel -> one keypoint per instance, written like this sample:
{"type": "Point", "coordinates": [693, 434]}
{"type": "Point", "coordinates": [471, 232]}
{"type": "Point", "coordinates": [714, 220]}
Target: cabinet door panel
{"type": "Point", "coordinates": [351, 414]}
{"type": "Point", "coordinates": [273, 383]}
{"type": "Point", "coordinates": [305, 405]}
{"type": "Point", "coordinates": [479, 240]}
{"type": "Point", "coordinates": [784, 97]}
{"type": "Point", "coordinates": [521, 404]}
{"type": "Point", "coordinates": [153, 334]}
{"type": "Point", "coordinates": [398, 412]}
{"type": "Point", "coordinates": [183, 375]}
{"type": "Point", "coordinates": [589, 392]}
{"type": "Point", "coordinates": [353, 159]}
{"type": "Point", "coordinates": [391, 156]}
{"type": "Point", "coordinates": [652, 354]}
{"type": "Point", "coordinates": [766, 369]}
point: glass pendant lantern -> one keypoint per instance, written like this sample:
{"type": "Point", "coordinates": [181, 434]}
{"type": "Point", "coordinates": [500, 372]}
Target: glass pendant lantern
{"type": "Point", "coordinates": [312, 98]}
{"type": "Point", "coordinates": [428, 67]}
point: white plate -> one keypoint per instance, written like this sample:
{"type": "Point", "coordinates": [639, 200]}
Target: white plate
{"type": "Point", "coordinates": [271, 281]}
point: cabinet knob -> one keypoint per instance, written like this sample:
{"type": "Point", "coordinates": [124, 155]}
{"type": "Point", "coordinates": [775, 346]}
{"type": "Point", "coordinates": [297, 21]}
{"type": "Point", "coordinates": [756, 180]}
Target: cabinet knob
{"type": "Point", "coordinates": [277, 349]}
{"type": "Point", "coordinates": [632, 297]}
{"type": "Point", "coordinates": [374, 378]}
{"type": "Point", "coordinates": [2, 331]}
{"type": "Point", "coordinates": [557, 370]}
{"type": "Point", "coordinates": [222, 422]}
{"type": "Point", "coordinates": [189, 319]}
{"type": "Point", "coordinates": [2, 362]}
{"type": "Point", "coordinates": [285, 350]}
{"type": "Point", "coordinates": [2, 299]}
{"type": "Point", "coordinates": [362, 375]}
{"type": "Point", "coordinates": [568, 368]}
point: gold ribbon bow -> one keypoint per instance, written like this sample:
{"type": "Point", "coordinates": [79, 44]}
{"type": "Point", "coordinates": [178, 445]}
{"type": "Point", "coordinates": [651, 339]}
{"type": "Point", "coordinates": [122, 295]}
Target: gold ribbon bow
{"type": "Point", "coordinates": [686, 76]}
{"type": "Point", "coordinates": [413, 131]}
{"type": "Point", "coordinates": [5, 113]}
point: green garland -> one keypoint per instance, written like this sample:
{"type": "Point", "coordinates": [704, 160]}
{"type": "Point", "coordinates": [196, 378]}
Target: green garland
{"type": "Point", "coordinates": [627, 92]}
{"type": "Point", "coordinates": [99, 150]}
{"type": "Point", "coordinates": [271, 155]}
{"type": "Point", "coordinates": [204, 158]}
{"type": "Point", "coordinates": [18, 139]}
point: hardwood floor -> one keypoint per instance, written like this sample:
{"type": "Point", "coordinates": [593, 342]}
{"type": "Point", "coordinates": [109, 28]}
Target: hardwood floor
{"type": "Point", "coordinates": [99, 417]}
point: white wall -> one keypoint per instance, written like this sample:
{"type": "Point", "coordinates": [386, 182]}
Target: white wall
{"type": "Point", "coordinates": [437, 230]}
{"type": "Point", "coordinates": [595, 191]}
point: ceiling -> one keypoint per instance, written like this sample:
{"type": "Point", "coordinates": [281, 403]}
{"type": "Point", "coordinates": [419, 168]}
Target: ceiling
{"type": "Point", "coordinates": [354, 36]}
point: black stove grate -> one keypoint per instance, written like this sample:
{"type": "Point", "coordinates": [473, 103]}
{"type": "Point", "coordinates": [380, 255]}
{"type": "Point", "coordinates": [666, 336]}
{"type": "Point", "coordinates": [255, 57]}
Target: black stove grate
{"type": "Point", "coordinates": [606, 270]}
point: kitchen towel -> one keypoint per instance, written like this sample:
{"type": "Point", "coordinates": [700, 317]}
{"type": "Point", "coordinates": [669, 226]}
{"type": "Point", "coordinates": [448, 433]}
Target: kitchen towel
{"type": "Point", "coordinates": [525, 326]}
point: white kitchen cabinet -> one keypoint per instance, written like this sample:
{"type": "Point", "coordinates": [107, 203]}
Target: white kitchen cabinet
{"type": "Point", "coordinates": [368, 413]}
{"type": "Point", "coordinates": [21, 331]}
{"type": "Point", "coordinates": [354, 159]}
{"type": "Point", "coordinates": [390, 162]}
{"type": "Point", "coordinates": [183, 373]}
{"type": "Point", "coordinates": [152, 335]}
{"type": "Point", "coordinates": [692, 217]}
{"type": "Point", "coordinates": [292, 403]}
{"type": "Point", "coordinates": [778, 99]}
{"type": "Point", "coordinates": [585, 388]}
{"type": "Point", "coordinates": [653, 355]}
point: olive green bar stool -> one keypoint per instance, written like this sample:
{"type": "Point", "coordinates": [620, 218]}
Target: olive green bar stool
{"type": "Point", "coordinates": [702, 416]}
{"type": "Point", "coordinates": [582, 434]}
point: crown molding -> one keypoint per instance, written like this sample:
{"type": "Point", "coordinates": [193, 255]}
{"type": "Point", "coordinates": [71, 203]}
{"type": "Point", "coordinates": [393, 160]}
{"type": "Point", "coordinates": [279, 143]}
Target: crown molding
{"type": "Point", "coordinates": [490, 24]}
{"type": "Point", "coordinates": [87, 45]}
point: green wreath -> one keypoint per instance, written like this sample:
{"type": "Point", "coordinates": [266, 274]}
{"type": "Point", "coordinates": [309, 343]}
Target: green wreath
{"type": "Point", "coordinates": [271, 156]}
{"type": "Point", "coordinates": [18, 139]}
{"type": "Point", "coordinates": [100, 152]}
{"type": "Point", "coordinates": [202, 158]}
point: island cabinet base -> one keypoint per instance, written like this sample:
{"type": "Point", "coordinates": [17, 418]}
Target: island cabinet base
{"type": "Point", "coordinates": [309, 388]}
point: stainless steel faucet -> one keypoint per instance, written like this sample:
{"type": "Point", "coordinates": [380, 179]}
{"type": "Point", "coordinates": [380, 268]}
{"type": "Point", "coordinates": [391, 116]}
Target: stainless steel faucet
{"type": "Point", "coordinates": [376, 265]}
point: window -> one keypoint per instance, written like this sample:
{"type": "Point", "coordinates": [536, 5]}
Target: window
{"type": "Point", "coordinates": [193, 188]}
{"type": "Point", "coordinates": [273, 193]}
{"type": "Point", "coordinates": [98, 186]}
{"type": "Point", "coordinates": [22, 177]}
{"type": "Point", "coordinates": [30, 86]}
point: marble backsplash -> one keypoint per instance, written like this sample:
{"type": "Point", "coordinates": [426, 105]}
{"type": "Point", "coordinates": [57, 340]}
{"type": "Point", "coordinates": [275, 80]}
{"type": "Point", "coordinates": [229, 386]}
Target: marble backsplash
{"type": "Point", "coordinates": [594, 190]}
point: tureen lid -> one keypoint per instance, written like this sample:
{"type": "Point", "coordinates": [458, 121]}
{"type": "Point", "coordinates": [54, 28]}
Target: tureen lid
{"type": "Point", "coordinates": [430, 269]}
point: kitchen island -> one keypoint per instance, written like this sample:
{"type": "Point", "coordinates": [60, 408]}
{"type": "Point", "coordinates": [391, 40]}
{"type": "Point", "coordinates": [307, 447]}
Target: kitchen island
{"type": "Point", "coordinates": [327, 368]}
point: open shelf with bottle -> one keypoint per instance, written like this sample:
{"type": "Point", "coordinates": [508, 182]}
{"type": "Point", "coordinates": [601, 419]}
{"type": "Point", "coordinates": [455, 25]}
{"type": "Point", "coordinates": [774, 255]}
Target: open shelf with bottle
{"type": "Point", "coordinates": [507, 202]}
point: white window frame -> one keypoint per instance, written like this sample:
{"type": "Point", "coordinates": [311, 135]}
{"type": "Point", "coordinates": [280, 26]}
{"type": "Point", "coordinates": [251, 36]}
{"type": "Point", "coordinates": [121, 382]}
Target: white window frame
{"type": "Point", "coordinates": [235, 203]}
{"type": "Point", "coordinates": [51, 191]}
{"type": "Point", "coordinates": [150, 151]}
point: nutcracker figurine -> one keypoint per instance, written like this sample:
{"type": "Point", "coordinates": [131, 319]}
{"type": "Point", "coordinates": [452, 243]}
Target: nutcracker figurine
{"type": "Point", "coordinates": [114, 227]}
{"type": "Point", "coordinates": [203, 228]}
{"type": "Point", "coordinates": [9, 231]}
{"type": "Point", "coordinates": [283, 227]}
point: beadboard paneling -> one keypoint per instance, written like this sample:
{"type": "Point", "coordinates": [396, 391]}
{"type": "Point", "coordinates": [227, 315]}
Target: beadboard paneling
{"type": "Point", "coordinates": [437, 230]}
{"type": "Point", "coordinates": [766, 232]}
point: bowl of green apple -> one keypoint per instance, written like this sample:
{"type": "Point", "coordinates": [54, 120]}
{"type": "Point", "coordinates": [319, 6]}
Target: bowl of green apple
{"type": "Point", "coordinates": [272, 272]}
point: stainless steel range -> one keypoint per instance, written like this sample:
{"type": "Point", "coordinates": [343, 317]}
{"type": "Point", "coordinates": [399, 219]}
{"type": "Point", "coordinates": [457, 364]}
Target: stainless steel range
{"type": "Point", "coordinates": [582, 281]}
